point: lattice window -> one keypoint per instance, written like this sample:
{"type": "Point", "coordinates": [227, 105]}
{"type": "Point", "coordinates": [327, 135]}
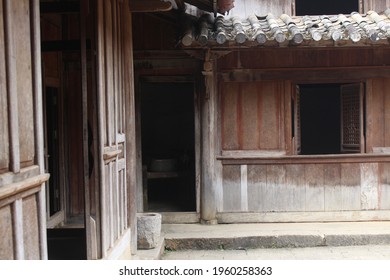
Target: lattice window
{"type": "Point", "coordinates": [351, 118]}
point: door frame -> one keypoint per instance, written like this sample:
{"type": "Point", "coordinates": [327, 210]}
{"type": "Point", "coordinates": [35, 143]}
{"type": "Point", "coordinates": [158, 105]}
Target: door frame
{"type": "Point", "coordinates": [170, 217]}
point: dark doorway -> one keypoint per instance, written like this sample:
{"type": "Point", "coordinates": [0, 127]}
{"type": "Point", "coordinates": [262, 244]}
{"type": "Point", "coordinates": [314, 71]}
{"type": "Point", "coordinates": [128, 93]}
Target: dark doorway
{"type": "Point", "coordinates": [168, 146]}
{"type": "Point", "coordinates": [53, 149]}
{"type": "Point", "coordinates": [326, 7]}
{"type": "Point", "coordinates": [320, 119]}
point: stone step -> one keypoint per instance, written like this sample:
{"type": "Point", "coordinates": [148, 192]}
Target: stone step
{"type": "Point", "coordinates": [289, 235]}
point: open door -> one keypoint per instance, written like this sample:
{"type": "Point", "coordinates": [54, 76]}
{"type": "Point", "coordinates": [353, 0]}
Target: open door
{"type": "Point", "coordinates": [52, 119]}
{"type": "Point", "coordinates": [112, 83]}
{"type": "Point", "coordinates": [168, 145]}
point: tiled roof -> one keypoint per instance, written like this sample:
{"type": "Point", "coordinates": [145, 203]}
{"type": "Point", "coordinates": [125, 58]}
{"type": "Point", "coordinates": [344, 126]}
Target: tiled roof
{"type": "Point", "coordinates": [338, 30]}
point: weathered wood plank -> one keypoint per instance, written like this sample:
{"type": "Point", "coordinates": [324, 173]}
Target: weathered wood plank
{"type": "Point", "coordinates": [249, 117]}
{"type": "Point", "coordinates": [4, 136]}
{"type": "Point", "coordinates": [38, 122]}
{"type": "Point", "coordinates": [295, 188]}
{"type": "Point", "coordinates": [315, 192]}
{"type": "Point", "coordinates": [305, 74]}
{"type": "Point", "coordinates": [257, 185]}
{"type": "Point", "coordinates": [244, 188]}
{"type": "Point", "coordinates": [229, 116]}
{"type": "Point", "coordinates": [110, 213]}
{"type": "Point", "coordinates": [18, 231]}
{"type": "Point", "coordinates": [115, 201]}
{"type": "Point", "coordinates": [274, 199]}
{"type": "Point", "coordinates": [231, 188]}
{"type": "Point", "coordinates": [24, 79]}
{"type": "Point", "coordinates": [270, 115]}
{"type": "Point", "coordinates": [386, 117]}
{"type": "Point", "coordinates": [287, 110]}
{"type": "Point", "coordinates": [6, 233]}
{"type": "Point", "coordinates": [384, 186]}
{"type": "Point", "coordinates": [375, 129]}
{"type": "Point", "coordinates": [350, 184]}
{"type": "Point", "coordinates": [278, 158]}
{"type": "Point", "coordinates": [22, 186]}
{"type": "Point", "coordinates": [106, 218]}
{"type": "Point", "coordinates": [309, 63]}
{"type": "Point", "coordinates": [31, 228]}
{"type": "Point", "coordinates": [369, 186]}
{"type": "Point", "coordinates": [12, 89]}
{"type": "Point", "coordinates": [333, 190]}
{"type": "Point", "coordinates": [109, 72]}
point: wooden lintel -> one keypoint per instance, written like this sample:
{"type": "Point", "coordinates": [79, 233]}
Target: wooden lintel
{"type": "Point", "coordinates": [306, 74]}
{"type": "Point", "coordinates": [305, 159]}
{"type": "Point", "coordinates": [72, 7]}
{"type": "Point", "coordinates": [142, 6]}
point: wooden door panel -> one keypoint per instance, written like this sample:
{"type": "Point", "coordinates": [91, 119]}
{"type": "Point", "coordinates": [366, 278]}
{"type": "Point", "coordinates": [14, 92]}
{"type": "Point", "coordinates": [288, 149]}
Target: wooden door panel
{"type": "Point", "coordinates": [111, 126]}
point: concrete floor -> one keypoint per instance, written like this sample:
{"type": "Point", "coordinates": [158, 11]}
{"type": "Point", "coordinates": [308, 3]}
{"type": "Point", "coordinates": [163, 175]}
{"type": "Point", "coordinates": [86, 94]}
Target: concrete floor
{"type": "Point", "coordinates": [368, 252]}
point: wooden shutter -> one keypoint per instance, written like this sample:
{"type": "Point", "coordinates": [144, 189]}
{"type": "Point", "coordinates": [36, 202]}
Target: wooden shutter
{"type": "Point", "coordinates": [352, 138]}
{"type": "Point", "coordinates": [297, 121]}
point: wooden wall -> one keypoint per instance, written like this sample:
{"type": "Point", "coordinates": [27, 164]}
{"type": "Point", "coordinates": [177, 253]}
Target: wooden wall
{"type": "Point", "coordinates": [265, 58]}
{"type": "Point", "coordinates": [252, 116]}
{"type": "Point", "coordinates": [307, 187]}
{"type": "Point", "coordinates": [378, 114]}
{"type": "Point", "coordinates": [261, 176]}
{"type": "Point", "coordinates": [116, 118]}
{"type": "Point", "coordinates": [22, 199]}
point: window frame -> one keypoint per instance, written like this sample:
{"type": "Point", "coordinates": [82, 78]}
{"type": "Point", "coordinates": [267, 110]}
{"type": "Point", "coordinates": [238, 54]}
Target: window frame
{"type": "Point", "coordinates": [345, 148]}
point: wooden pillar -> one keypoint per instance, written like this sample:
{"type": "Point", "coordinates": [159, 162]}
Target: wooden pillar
{"type": "Point", "coordinates": [12, 88]}
{"type": "Point", "coordinates": [38, 105]}
{"type": "Point", "coordinates": [208, 203]}
{"type": "Point", "coordinates": [131, 152]}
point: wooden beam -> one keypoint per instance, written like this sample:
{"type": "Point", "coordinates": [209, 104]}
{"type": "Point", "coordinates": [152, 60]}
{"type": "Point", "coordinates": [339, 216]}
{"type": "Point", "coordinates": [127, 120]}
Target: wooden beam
{"type": "Point", "coordinates": [305, 159]}
{"type": "Point", "coordinates": [306, 74]}
{"type": "Point", "coordinates": [142, 6]}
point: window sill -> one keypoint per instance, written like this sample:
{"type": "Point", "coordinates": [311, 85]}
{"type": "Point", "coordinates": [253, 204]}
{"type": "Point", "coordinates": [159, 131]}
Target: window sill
{"type": "Point", "coordinates": [244, 158]}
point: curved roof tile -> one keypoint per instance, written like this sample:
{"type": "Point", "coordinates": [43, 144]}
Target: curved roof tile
{"type": "Point", "coordinates": [353, 29]}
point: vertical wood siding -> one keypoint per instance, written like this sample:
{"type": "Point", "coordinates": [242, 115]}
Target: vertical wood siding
{"type": "Point", "coordinates": [6, 233]}
{"type": "Point", "coordinates": [4, 139]}
{"type": "Point", "coordinates": [306, 187]}
{"type": "Point", "coordinates": [112, 91]}
{"type": "Point", "coordinates": [22, 202]}
{"type": "Point", "coordinates": [378, 114]}
{"type": "Point", "coordinates": [251, 116]}
{"type": "Point", "coordinates": [21, 29]}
